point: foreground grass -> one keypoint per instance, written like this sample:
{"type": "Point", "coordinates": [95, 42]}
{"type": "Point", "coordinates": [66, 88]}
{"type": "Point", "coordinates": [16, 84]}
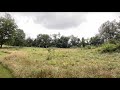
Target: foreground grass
{"type": "Point", "coordinates": [5, 73]}
{"type": "Point", "coordinates": [60, 63]}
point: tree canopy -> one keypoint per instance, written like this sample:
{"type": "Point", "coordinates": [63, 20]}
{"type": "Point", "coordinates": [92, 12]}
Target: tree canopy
{"type": "Point", "coordinates": [10, 34]}
{"type": "Point", "coordinates": [7, 29]}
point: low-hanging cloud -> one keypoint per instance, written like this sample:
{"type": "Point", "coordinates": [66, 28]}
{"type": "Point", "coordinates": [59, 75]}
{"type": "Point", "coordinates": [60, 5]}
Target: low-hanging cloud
{"type": "Point", "coordinates": [52, 20]}
{"type": "Point", "coordinates": [60, 20]}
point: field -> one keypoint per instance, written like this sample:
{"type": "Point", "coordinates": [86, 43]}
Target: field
{"type": "Point", "coordinates": [30, 62]}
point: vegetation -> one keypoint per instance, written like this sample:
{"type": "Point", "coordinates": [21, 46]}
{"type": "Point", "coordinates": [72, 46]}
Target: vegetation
{"type": "Point", "coordinates": [51, 56]}
{"type": "Point", "coordinates": [60, 62]}
{"type": "Point", "coordinates": [5, 73]}
{"type": "Point", "coordinates": [107, 47]}
{"type": "Point", "coordinates": [10, 34]}
{"type": "Point", "coordinates": [7, 29]}
{"type": "Point", "coordinates": [19, 38]}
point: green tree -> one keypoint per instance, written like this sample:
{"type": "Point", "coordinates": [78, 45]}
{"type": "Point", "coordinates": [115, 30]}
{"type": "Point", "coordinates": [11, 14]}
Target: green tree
{"type": "Point", "coordinates": [34, 43]}
{"type": "Point", "coordinates": [96, 40]}
{"type": "Point", "coordinates": [19, 39]}
{"type": "Point", "coordinates": [63, 42]}
{"type": "Point", "coordinates": [29, 42]}
{"type": "Point", "coordinates": [83, 42]}
{"type": "Point", "coordinates": [87, 41]}
{"type": "Point", "coordinates": [54, 40]}
{"type": "Point", "coordinates": [74, 41]}
{"type": "Point", "coordinates": [7, 29]}
{"type": "Point", "coordinates": [108, 30]}
{"type": "Point", "coordinates": [43, 40]}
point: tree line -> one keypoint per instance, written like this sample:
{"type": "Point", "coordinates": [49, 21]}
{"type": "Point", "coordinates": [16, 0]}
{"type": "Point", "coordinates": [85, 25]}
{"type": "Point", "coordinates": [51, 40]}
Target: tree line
{"type": "Point", "coordinates": [11, 34]}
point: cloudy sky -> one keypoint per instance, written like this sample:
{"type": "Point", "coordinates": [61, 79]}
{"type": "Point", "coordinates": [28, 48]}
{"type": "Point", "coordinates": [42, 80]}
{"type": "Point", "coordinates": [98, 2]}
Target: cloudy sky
{"type": "Point", "coordinates": [81, 24]}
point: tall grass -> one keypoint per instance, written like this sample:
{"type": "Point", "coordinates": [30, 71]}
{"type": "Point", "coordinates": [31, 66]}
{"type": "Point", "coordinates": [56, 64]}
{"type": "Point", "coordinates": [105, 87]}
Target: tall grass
{"type": "Point", "coordinates": [61, 63]}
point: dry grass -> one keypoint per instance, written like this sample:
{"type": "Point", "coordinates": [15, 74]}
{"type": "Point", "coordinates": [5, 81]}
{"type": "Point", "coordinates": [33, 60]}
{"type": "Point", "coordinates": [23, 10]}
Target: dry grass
{"type": "Point", "coordinates": [63, 63]}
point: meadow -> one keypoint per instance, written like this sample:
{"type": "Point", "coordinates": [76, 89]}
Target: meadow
{"type": "Point", "coordinates": [31, 62]}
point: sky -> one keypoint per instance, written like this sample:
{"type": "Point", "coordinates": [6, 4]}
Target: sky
{"type": "Point", "coordinates": [79, 24]}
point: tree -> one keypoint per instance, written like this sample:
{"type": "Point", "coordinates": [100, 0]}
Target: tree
{"type": "Point", "coordinates": [19, 39]}
{"type": "Point", "coordinates": [63, 42]}
{"type": "Point", "coordinates": [7, 29]}
{"type": "Point", "coordinates": [74, 41]}
{"type": "Point", "coordinates": [29, 42]}
{"type": "Point", "coordinates": [54, 40]}
{"type": "Point", "coordinates": [118, 32]}
{"type": "Point", "coordinates": [43, 40]}
{"type": "Point", "coordinates": [96, 40]}
{"type": "Point", "coordinates": [83, 42]}
{"type": "Point", "coordinates": [87, 41]}
{"type": "Point", "coordinates": [108, 30]}
{"type": "Point", "coordinates": [34, 43]}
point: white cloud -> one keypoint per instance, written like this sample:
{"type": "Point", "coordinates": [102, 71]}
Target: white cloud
{"type": "Point", "coordinates": [84, 24]}
{"type": "Point", "coordinates": [60, 20]}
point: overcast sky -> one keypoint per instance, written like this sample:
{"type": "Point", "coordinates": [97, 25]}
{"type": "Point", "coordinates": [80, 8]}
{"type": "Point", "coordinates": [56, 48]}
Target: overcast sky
{"type": "Point", "coordinates": [81, 24]}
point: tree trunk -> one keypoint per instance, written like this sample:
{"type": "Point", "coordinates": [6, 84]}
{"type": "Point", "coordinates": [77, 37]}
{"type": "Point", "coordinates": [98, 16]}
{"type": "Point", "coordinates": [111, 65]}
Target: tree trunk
{"type": "Point", "coordinates": [1, 43]}
{"type": "Point", "coordinates": [1, 46]}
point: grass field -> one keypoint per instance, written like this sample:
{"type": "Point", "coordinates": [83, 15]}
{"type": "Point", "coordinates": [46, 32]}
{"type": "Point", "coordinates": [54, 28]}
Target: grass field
{"type": "Point", "coordinates": [29, 62]}
{"type": "Point", "coordinates": [4, 73]}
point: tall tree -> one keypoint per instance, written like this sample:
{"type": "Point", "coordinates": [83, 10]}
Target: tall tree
{"type": "Point", "coordinates": [63, 42]}
{"type": "Point", "coordinates": [83, 42]}
{"type": "Point", "coordinates": [74, 41]}
{"type": "Point", "coordinates": [34, 43]}
{"type": "Point", "coordinates": [29, 42]}
{"type": "Point", "coordinates": [7, 28]}
{"type": "Point", "coordinates": [54, 40]}
{"type": "Point", "coordinates": [43, 40]}
{"type": "Point", "coordinates": [108, 30]}
{"type": "Point", "coordinates": [96, 40]}
{"type": "Point", "coordinates": [19, 39]}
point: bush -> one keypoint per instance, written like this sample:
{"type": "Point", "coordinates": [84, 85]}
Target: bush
{"type": "Point", "coordinates": [88, 47]}
{"type": "Point", "coordinates": [74, 47]}
{"type": "Point", "coordinates": [113, 41]}
{"type": "Point", "coordinates": [107, 47]}
{"type": "Point", "coordinates": [118, 48]}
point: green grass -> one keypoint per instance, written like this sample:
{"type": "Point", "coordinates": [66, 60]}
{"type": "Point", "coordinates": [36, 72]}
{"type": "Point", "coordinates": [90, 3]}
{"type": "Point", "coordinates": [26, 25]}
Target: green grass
{"type": "Point", "coordinates": [5, 73]}
{"type": "Point", "coordinates": [60, 63]}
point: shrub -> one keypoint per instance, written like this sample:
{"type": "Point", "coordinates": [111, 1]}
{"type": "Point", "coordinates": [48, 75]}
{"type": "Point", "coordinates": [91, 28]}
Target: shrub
{"type": "Point", "coordinates": [118, 48]}
{"type": "Point", "coordinates": [74, 47]}
{"type": "Point", "coordinates": [88, 47]}
{"type": "Point", "coordinates": [112, 41]}
{"type": "Point", "coordinates": [107, 47]}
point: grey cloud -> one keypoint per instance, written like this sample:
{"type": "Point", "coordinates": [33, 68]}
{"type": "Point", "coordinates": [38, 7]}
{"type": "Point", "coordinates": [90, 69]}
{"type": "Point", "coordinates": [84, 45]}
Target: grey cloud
{"type": "Point", "coordinates": [60, 20]}
{"type": "Point", "coordinates": [54, 20]}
